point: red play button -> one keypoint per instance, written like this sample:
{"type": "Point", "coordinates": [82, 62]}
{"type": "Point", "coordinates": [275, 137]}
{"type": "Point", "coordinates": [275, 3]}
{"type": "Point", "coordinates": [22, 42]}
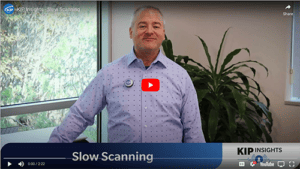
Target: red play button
{"type": "Point", "coordinates": [150, 85]}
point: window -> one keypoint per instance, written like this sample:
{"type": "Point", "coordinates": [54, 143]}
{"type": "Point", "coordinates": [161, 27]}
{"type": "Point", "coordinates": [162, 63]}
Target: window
{"type": "Point", "coordinates": [293, 86]}
{"type": "Point", "coordinates": [25, 122]}
{"type": "Point", "coordinates": [295, 61]}
{"type": "Point", "coordinates": [48, 57]}
{"type": "Point", "coordinates": [47, 54]}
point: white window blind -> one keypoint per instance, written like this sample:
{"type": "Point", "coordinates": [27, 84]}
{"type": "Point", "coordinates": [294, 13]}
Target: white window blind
{"type": "Point", "coordinates": [296, 52]}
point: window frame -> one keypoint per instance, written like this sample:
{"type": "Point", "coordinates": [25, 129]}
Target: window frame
{"type": "Point", "coordinates": [57, 104]}
{"type": "Point", "coordinates": [288, 99]}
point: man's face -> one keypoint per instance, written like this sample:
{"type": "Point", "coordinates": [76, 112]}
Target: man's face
{"type": "Point", "coordinates": [148, 31]}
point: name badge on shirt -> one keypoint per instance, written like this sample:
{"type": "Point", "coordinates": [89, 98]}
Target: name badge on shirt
{"type": "Point", "coordinates": [128, 83]}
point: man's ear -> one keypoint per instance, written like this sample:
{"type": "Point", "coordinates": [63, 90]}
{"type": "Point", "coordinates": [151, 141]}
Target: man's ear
{"type": "Point", "coordinates": [164, 35]}
{"type": "Point", "coordinates": [130, 33]}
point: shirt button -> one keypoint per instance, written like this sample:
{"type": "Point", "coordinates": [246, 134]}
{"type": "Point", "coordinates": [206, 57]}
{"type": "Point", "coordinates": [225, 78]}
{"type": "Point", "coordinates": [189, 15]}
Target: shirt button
{"type": "Point", "coordinates": [145, 125]}
{"type": "Point", "coordinates": [145, 107]}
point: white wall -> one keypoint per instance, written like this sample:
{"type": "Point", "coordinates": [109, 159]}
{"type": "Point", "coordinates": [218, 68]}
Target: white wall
{"type": "Point", "coordinates": [259, 26]}
{"type": "Point", "coordinates": [121, 18]}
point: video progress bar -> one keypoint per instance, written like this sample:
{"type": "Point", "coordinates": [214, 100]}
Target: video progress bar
{"type": "Point", "coordinates": [33, 158]}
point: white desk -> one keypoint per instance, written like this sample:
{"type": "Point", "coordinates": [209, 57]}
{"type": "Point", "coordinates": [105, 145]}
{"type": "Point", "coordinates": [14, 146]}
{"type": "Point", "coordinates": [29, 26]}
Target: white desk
{"type": "Point", "coordinates": [33, 136]}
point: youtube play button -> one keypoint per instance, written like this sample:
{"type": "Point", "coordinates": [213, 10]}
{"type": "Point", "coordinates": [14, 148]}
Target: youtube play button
{"type": "Point", "coordinates": [150, 85]}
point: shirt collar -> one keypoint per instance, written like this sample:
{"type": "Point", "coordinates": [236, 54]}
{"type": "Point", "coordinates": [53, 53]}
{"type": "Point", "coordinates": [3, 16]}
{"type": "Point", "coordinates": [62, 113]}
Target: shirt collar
{"type": "Point", "coordinates": [160, 58]}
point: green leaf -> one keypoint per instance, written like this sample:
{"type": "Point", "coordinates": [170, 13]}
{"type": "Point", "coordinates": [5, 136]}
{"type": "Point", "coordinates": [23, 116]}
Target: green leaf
{"type": "Point", "coordinates": [259, 91]}
{"type": "Point", "coordinates": [186, 59]}
{"type": "Point", "coordinates": [230, 56]}
{"type": "Point", "coordinates": [203, 82]}
{"type": "Point", "coordinates": [240, 101]}
{"type": "Point", "coordinates": [213, 124]}
{"type": "Point", "coordinates": [257, 99]}
{"type": "Point", "coordinates": [170, 47]}
{"type": "Point", "coordinates": [235, 85]}
{"type": "Point", "coordinates": [227, 72]}
{"type": "Point", "coordinates": [207, 54]}
{"type": "Point", "coordinates": [267, 135]}
{"type": "Point", "coordinates": [243, 132]}
{"type": "Point", "coordinates": [246, 62]}
{"type": "Point", "coordinates": [231, 116]}
{"type": "Point", "coordinates": [219, 52]}
{"type": "Point", "coordinates": [267, 124]}
{"type": "Point", "coordinates": [258, 131]}
{"type": "Point", "coordinates": [225, 81]}
{"type": "Point", "coordinates": [179, 58]}
{"type": "Point", "coordinates": [206, 70]}
{"type": "Point", "coordinates": [251, 127]}
{"type": "Point", "coordinates": [257, 85]}
{"type": "Point", "coordinates": [267, 99]}
{"type": "Point", "coordinates": [201, 94]}
{"type": "Point", "coordinates": [192, 67]}
{"type": "Point", "coordinates": [265, 111]}
{"type": "Point", "coordinates": [165, 48]}
{"type": "Point", "coordinates": [7, 92]}
{"type": "Point", "coordinates": [245, 80]}
{"type": "Point", "coordinates": [212, 100]}
{"type": "Point", "coordinates": [253, 70]}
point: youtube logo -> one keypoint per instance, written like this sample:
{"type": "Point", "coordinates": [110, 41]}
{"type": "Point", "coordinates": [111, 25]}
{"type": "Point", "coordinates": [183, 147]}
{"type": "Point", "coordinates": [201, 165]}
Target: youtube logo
{"type": "Point", "coordinates": [150, 85]}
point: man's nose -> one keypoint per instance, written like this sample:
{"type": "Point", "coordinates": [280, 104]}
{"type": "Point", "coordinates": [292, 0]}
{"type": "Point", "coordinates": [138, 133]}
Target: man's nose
{"type": "Point", "coordinates": [149, 29]}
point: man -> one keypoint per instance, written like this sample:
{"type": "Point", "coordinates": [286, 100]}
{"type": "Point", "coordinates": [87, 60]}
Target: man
{"type": "Point", "coordinates": [137, 116]}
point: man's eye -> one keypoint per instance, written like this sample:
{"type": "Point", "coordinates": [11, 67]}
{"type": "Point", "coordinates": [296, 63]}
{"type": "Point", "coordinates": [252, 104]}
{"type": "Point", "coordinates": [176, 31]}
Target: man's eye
{"type": "Point", "coordinates": [142, 26]}
{"type": "Point", "coordinates": [156, 27]}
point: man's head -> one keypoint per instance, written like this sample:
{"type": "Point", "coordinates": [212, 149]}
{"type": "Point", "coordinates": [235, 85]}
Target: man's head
{"type": "Point", "coordinates": [147, 29]}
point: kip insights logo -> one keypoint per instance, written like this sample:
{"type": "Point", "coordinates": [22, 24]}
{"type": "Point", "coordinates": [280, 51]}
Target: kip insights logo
{"type": "Point", "coordinates": [249, 150]}
{"type": "Point", "coordinates": [8, 8]}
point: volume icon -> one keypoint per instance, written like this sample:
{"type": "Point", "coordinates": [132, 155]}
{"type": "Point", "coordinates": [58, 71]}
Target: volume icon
{"type": "Point", "coordinates": [21, 164]}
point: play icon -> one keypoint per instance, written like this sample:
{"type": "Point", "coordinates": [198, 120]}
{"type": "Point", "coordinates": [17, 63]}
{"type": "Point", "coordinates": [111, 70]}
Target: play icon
{"type": "Point", "coordinates": [8, 164]}
{"type": "Point", "coordinates": [150, 85]}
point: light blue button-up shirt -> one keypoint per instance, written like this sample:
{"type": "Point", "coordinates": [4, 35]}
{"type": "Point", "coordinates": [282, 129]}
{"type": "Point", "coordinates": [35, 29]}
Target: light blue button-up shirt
{"type": "Point", "coordinates": [135, 116]}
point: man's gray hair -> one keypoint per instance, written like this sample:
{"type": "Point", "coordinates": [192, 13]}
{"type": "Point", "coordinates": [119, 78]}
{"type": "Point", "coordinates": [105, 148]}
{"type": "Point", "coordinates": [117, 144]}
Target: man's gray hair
{"type": "Point", "coordinates": [142, 8]}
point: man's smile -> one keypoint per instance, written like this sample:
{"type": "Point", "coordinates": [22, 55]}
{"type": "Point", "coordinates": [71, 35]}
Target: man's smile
{"type": "Point", "coordinates": [149, 39]}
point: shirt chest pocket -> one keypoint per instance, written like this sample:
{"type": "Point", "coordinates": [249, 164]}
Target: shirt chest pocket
{"type": "Point", "coordinates": [169, 98]}
{"type": "Point", "coordinates": [123, 98]}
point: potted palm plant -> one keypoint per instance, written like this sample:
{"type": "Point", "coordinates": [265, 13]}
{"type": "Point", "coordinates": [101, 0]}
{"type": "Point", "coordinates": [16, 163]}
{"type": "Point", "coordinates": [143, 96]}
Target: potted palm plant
{"type": "Point", "coordinates": [230, 110]}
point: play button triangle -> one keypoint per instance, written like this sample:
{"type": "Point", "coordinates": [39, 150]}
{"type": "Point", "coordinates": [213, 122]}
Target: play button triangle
{"type": "Point", "coordinates": [150, 85]}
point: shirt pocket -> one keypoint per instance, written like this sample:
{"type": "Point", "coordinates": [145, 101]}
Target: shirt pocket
{"type": "Point", "coordinates": [122, 99]}
{"type": "Point", "coordinates": [169, 97]}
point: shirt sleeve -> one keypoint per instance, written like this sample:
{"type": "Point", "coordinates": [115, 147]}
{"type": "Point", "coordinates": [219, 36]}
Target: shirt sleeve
{"type": "Point", "coordinates": [82, 112]}
{"type": "Point", "coordinates": [190, 114]}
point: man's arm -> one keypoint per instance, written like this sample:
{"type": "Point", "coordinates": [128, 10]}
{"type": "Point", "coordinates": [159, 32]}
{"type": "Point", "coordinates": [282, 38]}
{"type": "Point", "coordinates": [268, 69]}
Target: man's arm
{"type": "Point", "coordinates": [82, 112]}
{"type": "Point", "coordinates": [190, 114]}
